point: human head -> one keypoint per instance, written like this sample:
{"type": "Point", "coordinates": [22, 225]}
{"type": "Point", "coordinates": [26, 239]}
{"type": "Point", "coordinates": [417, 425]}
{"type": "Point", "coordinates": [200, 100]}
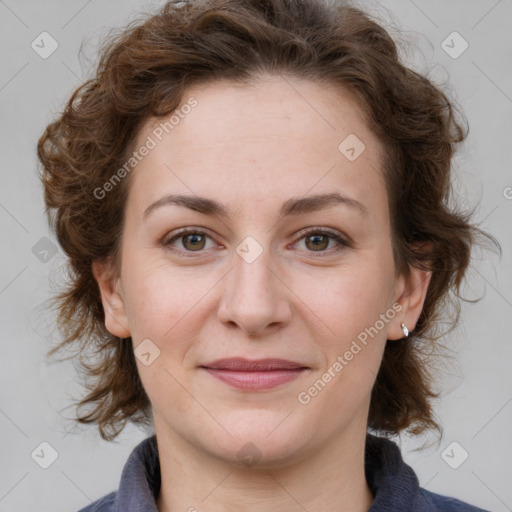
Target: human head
{"type": "Point", "coordinates": [149, 69]}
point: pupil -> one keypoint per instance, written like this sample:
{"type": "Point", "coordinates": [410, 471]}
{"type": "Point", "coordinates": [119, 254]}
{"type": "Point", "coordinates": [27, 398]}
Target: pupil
{"type": "Point", "coordinates": [195, 242]}
{"type": "Point", "coordinates": [318, 243]}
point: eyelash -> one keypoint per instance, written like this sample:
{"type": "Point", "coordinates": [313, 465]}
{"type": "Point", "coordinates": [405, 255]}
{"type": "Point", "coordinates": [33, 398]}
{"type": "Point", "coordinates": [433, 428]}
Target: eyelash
{"type": "Point", "coordinates": [342, 242]}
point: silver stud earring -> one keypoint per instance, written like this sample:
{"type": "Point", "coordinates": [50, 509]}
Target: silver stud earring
{"type": "Point", "coordinates": [406, 331]}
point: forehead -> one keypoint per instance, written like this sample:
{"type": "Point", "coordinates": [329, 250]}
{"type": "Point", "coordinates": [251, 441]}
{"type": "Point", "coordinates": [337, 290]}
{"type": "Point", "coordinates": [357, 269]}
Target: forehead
{"type": "Point", "coordinates": [273, 138]}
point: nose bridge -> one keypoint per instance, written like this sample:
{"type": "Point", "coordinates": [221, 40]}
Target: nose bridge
{"type": "Point", "coordinates": [252, 297]}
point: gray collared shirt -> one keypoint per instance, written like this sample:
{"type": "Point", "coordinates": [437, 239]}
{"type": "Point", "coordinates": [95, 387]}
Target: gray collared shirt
{"type": "Point", "coordinates": [394, 484]}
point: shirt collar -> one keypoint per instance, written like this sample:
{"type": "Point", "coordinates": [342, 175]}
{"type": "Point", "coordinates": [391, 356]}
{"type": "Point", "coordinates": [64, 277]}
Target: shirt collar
{"type": "Point", "coordinates": [140, 479]}
{"type": "Point", "coordinates": [393, 483]}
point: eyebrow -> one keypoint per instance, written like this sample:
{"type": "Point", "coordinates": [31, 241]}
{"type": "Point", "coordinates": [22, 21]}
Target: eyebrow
{"type": "Point", "coordinates": [293, 206]}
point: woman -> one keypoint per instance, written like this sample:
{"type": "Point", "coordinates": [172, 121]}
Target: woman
{"type": "Point", "coordinates": [254, 200]}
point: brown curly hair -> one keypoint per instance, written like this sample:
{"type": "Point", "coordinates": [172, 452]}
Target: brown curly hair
{"type": "Point", "coordinates": [145, 69]}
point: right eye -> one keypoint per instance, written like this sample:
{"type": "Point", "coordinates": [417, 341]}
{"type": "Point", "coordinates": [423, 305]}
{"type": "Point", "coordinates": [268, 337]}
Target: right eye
{"type": "Point", "coordinates": [192, 240]}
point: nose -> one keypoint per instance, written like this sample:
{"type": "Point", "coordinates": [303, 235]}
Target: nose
{"type": "Point", "coordinates": [255, 297]}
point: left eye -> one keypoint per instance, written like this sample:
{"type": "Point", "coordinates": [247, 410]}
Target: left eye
{"type": "Point", "coordinates": [320, 240]}
{"type": "Point", "coordinates": [194, 240]}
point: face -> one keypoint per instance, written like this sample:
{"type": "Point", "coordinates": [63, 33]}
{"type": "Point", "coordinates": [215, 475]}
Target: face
{"type": "Point", "coordinates": [273, 275]}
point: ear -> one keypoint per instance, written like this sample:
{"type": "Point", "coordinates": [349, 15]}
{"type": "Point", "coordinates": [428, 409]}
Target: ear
{"type": "Point", "coordinates": [410, 294]}
{"type": "Point", "coordinates": [116, 320]}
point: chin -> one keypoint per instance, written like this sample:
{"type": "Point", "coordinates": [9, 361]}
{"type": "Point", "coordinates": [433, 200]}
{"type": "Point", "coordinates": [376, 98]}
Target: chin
{"type": "Point", "coordinates": [259, 443]}
{"type": "Point", "coordinates": [259, 455]}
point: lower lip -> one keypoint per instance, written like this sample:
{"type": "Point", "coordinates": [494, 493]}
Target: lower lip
{"type": "Point", "coordinates": [256, 380]}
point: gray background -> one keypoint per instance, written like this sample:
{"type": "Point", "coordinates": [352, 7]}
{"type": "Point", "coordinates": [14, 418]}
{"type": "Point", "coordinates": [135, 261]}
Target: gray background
{"type": "Point", "coordinates": [475, 408]}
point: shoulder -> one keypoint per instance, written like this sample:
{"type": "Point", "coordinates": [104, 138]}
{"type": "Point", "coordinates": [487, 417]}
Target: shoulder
{"type": "Point", "coordinates": [105, 504]}
{"type": "Point", "coordinates": [395, 485]}
{"type": "Point", "coordinates": [139, 485]}
{"type": "Point", "coordinates": [439, 502]}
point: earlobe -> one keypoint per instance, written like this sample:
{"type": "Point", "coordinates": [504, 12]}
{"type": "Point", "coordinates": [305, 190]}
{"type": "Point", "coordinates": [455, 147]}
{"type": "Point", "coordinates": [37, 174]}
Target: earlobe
{"type": "Point", "coordinates": [116, 321]}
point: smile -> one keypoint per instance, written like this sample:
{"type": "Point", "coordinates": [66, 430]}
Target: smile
{"type": "Point", "coordinates": [256, 380]}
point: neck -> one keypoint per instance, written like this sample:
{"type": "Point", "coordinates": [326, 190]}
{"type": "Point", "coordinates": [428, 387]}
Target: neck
{"type": "Point", "coordinates": [329, 478]}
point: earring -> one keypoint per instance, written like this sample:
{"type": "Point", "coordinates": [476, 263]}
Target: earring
{"type": "Point", "coordinates": [406, 331]}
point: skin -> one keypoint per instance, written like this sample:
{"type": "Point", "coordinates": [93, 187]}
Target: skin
{"type": "Point", "coordinates": [252, 148]}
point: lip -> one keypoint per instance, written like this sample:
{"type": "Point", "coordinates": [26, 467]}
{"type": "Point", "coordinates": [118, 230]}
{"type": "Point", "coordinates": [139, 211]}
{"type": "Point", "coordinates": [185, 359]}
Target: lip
{"type": "Point", "coordinates": [255, 365]}
{"type": "Point", "coordinates": [261, 374]}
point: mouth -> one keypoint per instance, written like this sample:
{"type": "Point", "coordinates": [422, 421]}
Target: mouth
{"type": "Point", "coordinates": [256, 375]}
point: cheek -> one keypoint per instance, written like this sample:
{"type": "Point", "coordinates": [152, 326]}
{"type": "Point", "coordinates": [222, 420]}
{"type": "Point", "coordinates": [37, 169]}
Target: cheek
{"type": "Point", "coordinates": [155, 298]}
{"type": "Point", "coordinates": [163, 307]}
{"type": "Point", "coordinates": [355, 346]}
{"type": "Point", "coordinates": [350, 299]}
{"type": "Point", "coordinates": [167, 304]}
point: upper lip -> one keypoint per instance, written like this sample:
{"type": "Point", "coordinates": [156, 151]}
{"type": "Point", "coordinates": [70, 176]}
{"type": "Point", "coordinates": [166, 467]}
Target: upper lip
{"type": "Point", "coordinates": [255, 365]}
